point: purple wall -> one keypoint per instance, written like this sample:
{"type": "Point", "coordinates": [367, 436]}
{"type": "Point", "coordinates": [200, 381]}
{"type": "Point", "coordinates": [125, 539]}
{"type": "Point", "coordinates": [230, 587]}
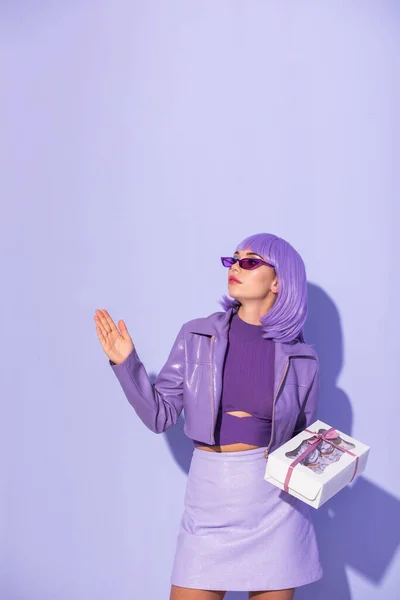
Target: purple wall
{"type": "Point", "coordinates": [135, 132]}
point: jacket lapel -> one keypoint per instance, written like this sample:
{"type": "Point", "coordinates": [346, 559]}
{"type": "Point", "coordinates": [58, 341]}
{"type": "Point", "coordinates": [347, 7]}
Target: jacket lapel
{"type": "Point", "coordinates": [217, 324]}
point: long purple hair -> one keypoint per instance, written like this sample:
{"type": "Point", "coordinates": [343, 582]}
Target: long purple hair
{"type": "Point", "coordinates": [284, 322]}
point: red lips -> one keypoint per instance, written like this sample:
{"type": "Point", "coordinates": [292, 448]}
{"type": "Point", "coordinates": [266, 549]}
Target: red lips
{"type": "Point", "coordinates": [233, 279]}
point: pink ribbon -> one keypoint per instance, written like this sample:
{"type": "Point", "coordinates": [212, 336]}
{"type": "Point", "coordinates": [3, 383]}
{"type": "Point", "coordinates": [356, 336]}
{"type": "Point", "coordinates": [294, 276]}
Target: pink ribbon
{"type": "Point", "coordinates": [313, 442]}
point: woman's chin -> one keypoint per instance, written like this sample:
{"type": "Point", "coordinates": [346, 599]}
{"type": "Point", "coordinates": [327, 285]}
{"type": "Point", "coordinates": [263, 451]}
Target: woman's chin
{"type": "Point", "coordinates": [233, 293]}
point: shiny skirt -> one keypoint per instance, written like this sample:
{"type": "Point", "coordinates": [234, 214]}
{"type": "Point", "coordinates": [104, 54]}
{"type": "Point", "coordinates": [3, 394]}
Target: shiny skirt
{"type": "Point", "coordinates": [239, 532]}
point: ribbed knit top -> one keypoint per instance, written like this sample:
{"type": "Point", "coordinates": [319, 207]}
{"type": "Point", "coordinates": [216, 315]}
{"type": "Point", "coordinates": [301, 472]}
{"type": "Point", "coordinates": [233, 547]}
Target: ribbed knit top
{"type": "Point", "coordinates": [248, 385]}
{"type": "Point", "coordinates": [249, 370]}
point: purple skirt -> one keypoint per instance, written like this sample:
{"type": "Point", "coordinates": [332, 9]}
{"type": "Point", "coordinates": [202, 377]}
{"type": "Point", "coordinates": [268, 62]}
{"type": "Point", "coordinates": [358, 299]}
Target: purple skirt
{"type": "Point", "coordinates": [239, 532]}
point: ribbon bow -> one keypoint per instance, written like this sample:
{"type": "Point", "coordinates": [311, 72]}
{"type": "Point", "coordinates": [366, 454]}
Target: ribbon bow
{"type": "Point", "coordinates": [327, 436]}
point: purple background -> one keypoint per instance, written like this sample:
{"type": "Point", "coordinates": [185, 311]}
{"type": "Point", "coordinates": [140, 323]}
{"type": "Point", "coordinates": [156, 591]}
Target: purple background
{"type": "Point", "coordinates": [133, 133]}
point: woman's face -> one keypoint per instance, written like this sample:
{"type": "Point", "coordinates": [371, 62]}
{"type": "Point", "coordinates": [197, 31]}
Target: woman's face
{"type": "Point", "coordinates": [255, 284]}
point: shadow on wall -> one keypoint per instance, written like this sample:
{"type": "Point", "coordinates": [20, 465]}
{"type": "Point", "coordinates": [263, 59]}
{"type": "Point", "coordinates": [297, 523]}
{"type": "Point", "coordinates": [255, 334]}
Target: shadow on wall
{"type": "Point", "coordinates": [355, 527]}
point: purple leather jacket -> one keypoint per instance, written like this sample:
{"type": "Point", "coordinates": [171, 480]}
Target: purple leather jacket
{"type": "Point", "coordinates": [191, 380]}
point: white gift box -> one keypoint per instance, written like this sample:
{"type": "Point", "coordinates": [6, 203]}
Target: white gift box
{"type": "Point", "coordinates": [325, 470]}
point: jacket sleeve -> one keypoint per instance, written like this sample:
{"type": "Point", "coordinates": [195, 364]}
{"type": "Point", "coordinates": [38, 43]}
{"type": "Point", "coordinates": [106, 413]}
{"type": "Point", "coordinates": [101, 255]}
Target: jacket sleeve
{"type": "Point", "coordinates": [309, 410]}
{"type": "Point", "coordinates": [159, 404]}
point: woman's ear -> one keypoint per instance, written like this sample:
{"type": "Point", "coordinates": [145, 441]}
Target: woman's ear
{"type": "Point", "coordinates": [275, 286]}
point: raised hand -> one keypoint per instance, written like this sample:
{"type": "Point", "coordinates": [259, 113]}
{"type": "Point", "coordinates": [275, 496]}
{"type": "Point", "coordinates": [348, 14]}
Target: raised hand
{"type": "Point", "coordinates": [116, 343]}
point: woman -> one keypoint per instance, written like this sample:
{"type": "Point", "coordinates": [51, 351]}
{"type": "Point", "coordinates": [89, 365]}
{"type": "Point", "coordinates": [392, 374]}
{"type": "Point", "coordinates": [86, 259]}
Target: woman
{"type": "Point", "coordinates": [248, 383]}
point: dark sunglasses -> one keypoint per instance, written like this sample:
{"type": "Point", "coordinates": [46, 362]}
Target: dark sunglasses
{"type": "Point", "coordinates": [245, 263]}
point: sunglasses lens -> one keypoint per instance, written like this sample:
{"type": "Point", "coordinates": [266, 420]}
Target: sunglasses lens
{"type": "Point", "coordinates": [227, 261]}
{"type": "Point", "coordinates": [250, 263]}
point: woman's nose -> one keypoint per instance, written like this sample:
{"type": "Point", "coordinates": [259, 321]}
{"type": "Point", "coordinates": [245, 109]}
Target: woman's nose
{"type": "Point", "coordinates": [235, 267]}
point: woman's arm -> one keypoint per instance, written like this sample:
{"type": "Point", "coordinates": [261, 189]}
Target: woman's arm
{"type": "Point", "coordinates": [159, 404]}
{"type": "Point", "coordinates": [309, 410]}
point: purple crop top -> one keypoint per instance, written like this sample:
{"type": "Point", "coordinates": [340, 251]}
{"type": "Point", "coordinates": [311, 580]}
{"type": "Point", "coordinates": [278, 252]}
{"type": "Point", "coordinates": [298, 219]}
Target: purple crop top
{"type": "Point", "coordinates": [247, 385]}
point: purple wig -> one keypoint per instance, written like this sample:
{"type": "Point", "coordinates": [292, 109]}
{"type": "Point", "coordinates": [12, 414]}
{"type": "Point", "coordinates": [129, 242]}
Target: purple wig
{"type": "Point", "coordinates": [284, 322]}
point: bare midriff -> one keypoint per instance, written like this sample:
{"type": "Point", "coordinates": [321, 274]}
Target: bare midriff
{"type": "Point", "coordinates": [231, 447]}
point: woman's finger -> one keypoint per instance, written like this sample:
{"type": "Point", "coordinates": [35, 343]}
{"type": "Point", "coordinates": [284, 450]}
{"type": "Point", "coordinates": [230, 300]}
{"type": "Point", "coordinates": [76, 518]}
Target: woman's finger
{"type": "Point", "coordinates": [100, 327]}
{"type": "Point", "coordinates": [101, 337]}
{"type": "Point", "coordinates": [109, 323]}
{"type": "Point", "coordinates": [123, 328]}
{"type": "Point", "coordinates": [101, 322]}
